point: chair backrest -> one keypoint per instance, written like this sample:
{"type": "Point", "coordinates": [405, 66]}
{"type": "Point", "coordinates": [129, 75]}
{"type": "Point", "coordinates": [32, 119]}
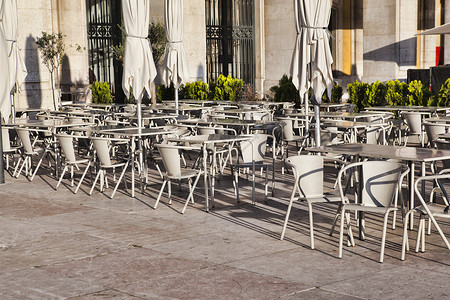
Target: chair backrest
{"type": "Point", "coordinates": [329, 136]}
{"type": "Point", "coordinates": [66, 143]}
{"type": "Point", "coordinates": [308, 172]}
{"type": "Point", "coordinates": [433, 131]}
{"type": "Point", "coordinates": [376, 134]}
{"type": "Point", "coordinates": [102, 148]}
{"type": "Point", "coordinates": [414, 122]}
{"type": "Point", "coordinates": [380, 180]}
{"type": "Point", "coordinates": [171, 158]}
{"type": "Point", "coordinates": [202, 130]}
{"type": "Point", "coordinates": [444, 145]}
{"type": "Point", "coordinates": [288, 129]}
{"type": "Point", "coordinates": [24, 136]}
{"type": "Point", "coordinates": [6, 142]}
{"type": "Point", "coordinates": [260, 115]}
{"type": "Point", "coordinates": [75, 119]}
{"type": "Point", "coordinates": [254, 149]}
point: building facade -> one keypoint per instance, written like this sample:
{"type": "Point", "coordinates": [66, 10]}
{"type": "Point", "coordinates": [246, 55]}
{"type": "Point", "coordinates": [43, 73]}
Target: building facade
{"type": "Point", "coordinates": [249, 39]}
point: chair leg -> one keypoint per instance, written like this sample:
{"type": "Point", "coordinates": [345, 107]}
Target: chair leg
{"type": "Point", "coordinates": [61, 177]}
{"type": "Point", "coordinates": [169, 191]}
{"type": "Point", "coordinates": [336, 217]}
{"type": "Point", "coordinates": [191, 192]}
{"type": "Point", "coordinates": [82, 176]}
{"type": "Point", "coordinates": [405, 243]}
{"type": "Point", "coordinates": [265, 184]}
{"type": "Point", "coordinates": [160, 193]}
{"type": "Point", "coordinates": [95, 181]}
{"type": "Point", "coordinates": [38, 165]}
{"type": "Point", "coordinates": [120, 179]}
{"type": "Point", "coordinates": [288, 212]}
{"type": "Point", "coordinates": [419, 233]}
{"type": "Point", "coordinates": [311, 225]}
{"type": "Point", "coordinates": [25, 162]}
{"type": "Point", "coordinates": [236, 184]}
{"type": "Point", "coordinates": [17, 167]}
{"type": "Point", "coordinates": [341, 233]}
{"type": "Point", "coordinates": [383, 236]}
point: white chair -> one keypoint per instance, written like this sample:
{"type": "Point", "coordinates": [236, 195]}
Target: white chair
{"type": "Point", "coordinates": [102, 146]}
{"type": "Point", "coordinates": [308, 182]}
{"type": "Point", "coordinates": [9, 150]}
{"type": "Point", "coordinates": [377, 133]}
{"type": "Point", "coordinates": [430, 210]}
{"type": "Point", "coordinates": [171, 158]}
{"type": "Point", "coordinates": [253, 152]}
{"type": "Point", "coordinates": [413, 122]}
{"type": "Point", "coordinates": [380, 181]}
{"type": "Point", "coordinates": [288, 136]}
{"type": "Point", "coordinates": [66, 142]}
{"type": "Point", "coordinates": [30, 149]}
{"type": "Point", "coordinates": [433, 130]}
{"type": "Point", "coordinates": [221, 151]}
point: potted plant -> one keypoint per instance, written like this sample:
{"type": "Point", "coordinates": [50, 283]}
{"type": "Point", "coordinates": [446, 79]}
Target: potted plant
{"type": "Point", "coordinates": [52, 47]}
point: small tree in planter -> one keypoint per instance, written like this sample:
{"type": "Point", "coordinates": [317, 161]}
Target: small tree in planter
{"type": "Point", "coordinates": [52, 53]}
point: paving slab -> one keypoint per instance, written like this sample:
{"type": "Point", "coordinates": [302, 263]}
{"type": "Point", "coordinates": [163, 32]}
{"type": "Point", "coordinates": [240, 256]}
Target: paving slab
{"type": "Point", "coordinates": [57, 244]}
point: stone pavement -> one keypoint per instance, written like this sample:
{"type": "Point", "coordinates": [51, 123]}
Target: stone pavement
{"type": "Point", "coordinates": [60, 245]}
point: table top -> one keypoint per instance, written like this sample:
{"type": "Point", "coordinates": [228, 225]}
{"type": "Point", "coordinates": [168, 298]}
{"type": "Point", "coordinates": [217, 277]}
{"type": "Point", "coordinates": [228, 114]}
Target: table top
{"type": "Point", "coordinates": [232, 122]}
{"type": "Point", "coordinates": [136, 131]}
{"type": "Point", "coordinates": [347, 124]}
{"type": "Point", "coordinates": [386, 151]}
{"type": "Point", "coordinates": [50, 123]}
{"type": "Point", "coordinates": [212, 138]}
{"type": "Point", "coordinates": [409, 108]}
{"type": "Point", "coordinates": [154, 116]}
{"type": "Point", "coordinates": [173, 108]}
{"type": "Point", "coordinates": [241, 110]}
{"type": "Point", "coordinates": [440, 119]}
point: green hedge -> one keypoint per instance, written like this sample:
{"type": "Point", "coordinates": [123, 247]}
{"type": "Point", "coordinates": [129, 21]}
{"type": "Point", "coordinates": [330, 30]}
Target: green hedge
{"type": "Point", "coordinates": [363, 94]}
{"type": "Point", "coordinates": [286, 91]}
{"type": "Point", "coordinates": [224, 88]}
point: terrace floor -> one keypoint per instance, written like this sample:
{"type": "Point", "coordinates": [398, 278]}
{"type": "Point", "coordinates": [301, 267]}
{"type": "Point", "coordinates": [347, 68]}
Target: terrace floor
{"type": "Point", "coordinates": [60, 245]}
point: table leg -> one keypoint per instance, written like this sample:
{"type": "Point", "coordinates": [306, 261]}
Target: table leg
{"type": "Point", "coordinates": [205, 177]}
{"type": "Point", "coordinates": [133, 148]}
{"type": "Point", "coordinates": [411, 194]}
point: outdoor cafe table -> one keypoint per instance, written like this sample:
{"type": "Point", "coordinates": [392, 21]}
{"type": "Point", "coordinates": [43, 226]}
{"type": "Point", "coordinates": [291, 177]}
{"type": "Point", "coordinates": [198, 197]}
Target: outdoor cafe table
{"type": "Point", "coordinates": [439, 119]}
{"type": "Point", "coordinates": [241, 112]}
{"type": "Point", "coordinates": [135, 133]}
{"type": "Point", "coordinates": [350, 126]}
{"type": "Point", "coordinates": [346, 115]}
{"type": "Point", "coordinates": [423, 109]}
{"type": "Point", "coordinates": [411, 155]}
{"type": "Point", "coordinates": [248, 124]}
{"type": "Point", "coordinates": [182, 108]}
{"type": "Point", "coordinates": [155, 116]}
{"type": "Point", "coordinates": [205, 141]}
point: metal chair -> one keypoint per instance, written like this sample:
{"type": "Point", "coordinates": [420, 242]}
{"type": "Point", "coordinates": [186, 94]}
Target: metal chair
{"type": "Point", "coordinates": [30, 149]}
{"type": "Point", "coordinates": [430, 210]}
{"type": "Point", "coordinates": [433, 130]}
{"type": "Point", "coordinates": [380, 182]}
{"type": "Point", "coordinates": [413, 122]}
{"type": "Point", "coordinates": [171, 158]}
{"type": "Point", "coordinates": [66, 143]}
{"type": "Point", "coordinates": [253, 153]}
{"type": "Point", "coordinates": [102, 146]}
{"type": "Point", "coordinates": [9, 150]}
{"type": "Point", "coordinates": [308, 182]}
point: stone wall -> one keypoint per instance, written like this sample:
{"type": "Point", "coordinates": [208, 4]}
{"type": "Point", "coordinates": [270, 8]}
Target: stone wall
{"type": "Point", "coordinates": [194, 35]}
{"type": "Point", "coordinates": [280, 35]}
{"type": "Point", "coordinates": [65, 16]}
